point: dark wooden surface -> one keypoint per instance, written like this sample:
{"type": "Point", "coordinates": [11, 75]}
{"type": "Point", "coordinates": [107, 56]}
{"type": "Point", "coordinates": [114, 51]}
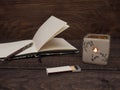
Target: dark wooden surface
{"type": "Point", "coordinates": [20, 19]}
{"type": "Point", "coordinates": [29, 74]}
{"type": "Point", "coordinates": [23, 17]}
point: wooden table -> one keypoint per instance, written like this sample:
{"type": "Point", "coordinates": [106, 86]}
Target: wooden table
{"type": "Point", "coordinates": [29, 74]}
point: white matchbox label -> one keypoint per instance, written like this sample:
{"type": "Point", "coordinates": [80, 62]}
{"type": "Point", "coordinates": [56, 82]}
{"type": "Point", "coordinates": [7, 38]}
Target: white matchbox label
{"type": "Point", "coordinates": [58, 69]}
{"type": "Point", "coordinates": [96, 49]}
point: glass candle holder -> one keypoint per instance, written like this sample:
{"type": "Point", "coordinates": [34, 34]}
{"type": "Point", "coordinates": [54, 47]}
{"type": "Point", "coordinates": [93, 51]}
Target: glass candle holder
{"type": "Point", "coordinates": [96, 48]}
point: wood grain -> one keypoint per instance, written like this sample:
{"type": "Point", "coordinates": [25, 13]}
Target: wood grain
{"type": "Point", "coordinates": [20, 19]}
{"type": "Point", "coordinates": [37, 80]}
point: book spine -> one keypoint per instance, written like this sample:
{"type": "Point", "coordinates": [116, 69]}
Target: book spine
{"type": "Point", "coordinates": [46, 53]}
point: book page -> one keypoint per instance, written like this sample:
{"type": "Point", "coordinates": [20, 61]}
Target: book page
{"type": "Point", "coordinates": [8, 48]}
{"type": "Point", "coordinates": [57, 44]}
{"type": "Point", "coordinates": [48, 30]}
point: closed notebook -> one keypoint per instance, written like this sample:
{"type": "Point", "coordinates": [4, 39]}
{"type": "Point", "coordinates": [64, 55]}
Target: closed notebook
{"type": "Point", "coordinates": [43, 39]}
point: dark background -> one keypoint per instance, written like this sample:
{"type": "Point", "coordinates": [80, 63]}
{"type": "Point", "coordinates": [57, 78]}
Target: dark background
{"type": "Point", "coordinates": [20, 19]}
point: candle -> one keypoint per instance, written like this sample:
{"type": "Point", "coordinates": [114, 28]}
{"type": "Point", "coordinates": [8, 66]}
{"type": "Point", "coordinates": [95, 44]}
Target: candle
{"type": "Point", "coordinates": [96, 49]}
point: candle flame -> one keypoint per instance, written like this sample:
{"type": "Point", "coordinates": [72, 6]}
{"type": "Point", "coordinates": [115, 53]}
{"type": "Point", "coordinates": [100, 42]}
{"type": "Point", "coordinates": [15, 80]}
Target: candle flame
{"type": "Point", "coordinates": [95, 50]}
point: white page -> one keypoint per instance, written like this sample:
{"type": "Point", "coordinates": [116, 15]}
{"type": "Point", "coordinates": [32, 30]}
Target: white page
{"type": "Point", "coordinates": [57, 44]}
{"type": "Point", "coordinates": [61, 30]}
{"type": "Point", "coordinates": [48, 30]}
{"type": "Point", "coordinates": [8, 48]}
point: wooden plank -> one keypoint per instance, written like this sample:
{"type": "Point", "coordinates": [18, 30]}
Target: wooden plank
{"type": "Point", "coordinates": [89, 16]}
{"type": "Point", "coordinates": [38, 80]}
{"type": "Point", "coordinates": [50, 1]}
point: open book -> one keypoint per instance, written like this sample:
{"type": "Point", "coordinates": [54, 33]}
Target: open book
{"type": "Point", "coordinates": [43, 40]}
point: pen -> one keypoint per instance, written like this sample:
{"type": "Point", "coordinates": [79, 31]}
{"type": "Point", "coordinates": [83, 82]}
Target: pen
{"type": "Point", "coordinates": [8, 58]}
